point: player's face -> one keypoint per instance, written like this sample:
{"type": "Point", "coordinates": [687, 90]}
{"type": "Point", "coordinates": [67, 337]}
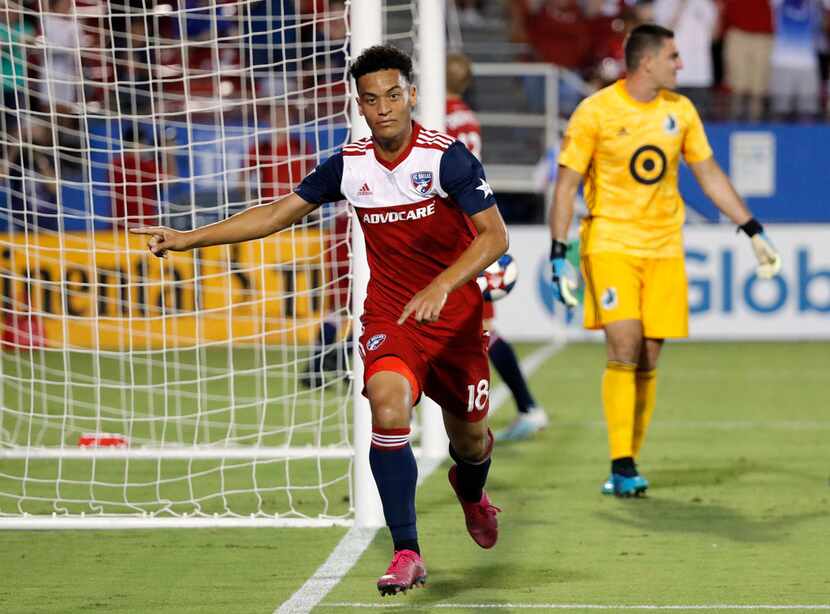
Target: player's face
{"type": "Point", "coordinates": [666, 64]}
{"type": "Point", "coordinates": [386, 100]}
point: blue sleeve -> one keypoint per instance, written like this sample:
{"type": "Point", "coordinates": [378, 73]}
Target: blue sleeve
{"type": "Point", "coordinates": [322, 185]}
{"type": "Point", "coordinates": [462, 177]}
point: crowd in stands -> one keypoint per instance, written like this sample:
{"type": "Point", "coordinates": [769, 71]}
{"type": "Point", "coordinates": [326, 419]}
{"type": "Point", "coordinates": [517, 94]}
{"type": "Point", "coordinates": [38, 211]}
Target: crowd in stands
{"type": "Point", "coordinates": [743, 59]}
{"type": "Point", "coordinates": [69, 63]}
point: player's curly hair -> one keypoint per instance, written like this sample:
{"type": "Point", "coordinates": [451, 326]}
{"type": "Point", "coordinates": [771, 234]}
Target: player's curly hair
{"type": "Point", "coordinates": [381, 57]}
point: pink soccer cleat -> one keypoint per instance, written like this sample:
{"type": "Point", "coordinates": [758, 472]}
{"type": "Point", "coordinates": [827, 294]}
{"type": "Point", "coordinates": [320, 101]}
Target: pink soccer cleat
{"type": "Point", "coordinates": [482, 523]}
{"type": "Point", "coordinates": [405, 571]}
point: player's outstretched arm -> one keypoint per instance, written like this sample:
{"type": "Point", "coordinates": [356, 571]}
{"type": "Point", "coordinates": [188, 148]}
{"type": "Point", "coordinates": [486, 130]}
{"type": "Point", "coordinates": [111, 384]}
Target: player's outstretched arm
{"type": "Point", "coordinates": [253, 223]}
{"type": "Point", "coordinates": [719, 189]}
{"type": "Point", "coordinates": [490, 244]}
{"type": "Point", "coordinates": [561, 214]}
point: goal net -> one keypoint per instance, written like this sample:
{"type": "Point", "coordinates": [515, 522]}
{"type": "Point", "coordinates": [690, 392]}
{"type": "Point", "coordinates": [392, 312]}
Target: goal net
{"type": "Point", "coordinates": [211, 386]}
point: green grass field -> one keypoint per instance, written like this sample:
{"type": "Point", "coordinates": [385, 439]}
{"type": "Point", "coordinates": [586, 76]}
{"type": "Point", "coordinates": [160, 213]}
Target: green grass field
{"type": "Point", "coordinates": [738, 512]}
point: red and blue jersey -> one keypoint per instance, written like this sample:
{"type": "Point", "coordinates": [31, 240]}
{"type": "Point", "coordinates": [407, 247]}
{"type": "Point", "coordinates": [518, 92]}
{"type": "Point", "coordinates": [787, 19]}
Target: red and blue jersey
{"type": "Point", "coordinates": [415, 214]}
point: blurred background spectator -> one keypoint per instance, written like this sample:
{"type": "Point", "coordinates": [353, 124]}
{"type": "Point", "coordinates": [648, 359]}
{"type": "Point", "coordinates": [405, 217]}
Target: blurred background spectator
{"type": "Point", "coordinates": [795, 70]}
{"type": "Point", "coordinates": [469, 13]}
{"type": "Point", "coordinates": [15, 34]}
{"type": "Point", "coordinates": [138, 173]}
{"type": "Point", "coordinates": [694, 23]}
{"type": "Point", "coordinates": [278, 161]}
{"type": "Point", "coordinates": [748, 41]}
{"type": "Point", "coordinates": [134, 62]}
{"type": "Point", "coordinates": [557, 30]}
{"type": "Point", "coordinates": [231, 72]}
{"type": "Point", "coordinates": [32, 181]}
{"type": "Point", "coordinates": [824, 56]}
{"type": "Point", "coordinates": [61, 63]}
{"type": "Point", "coordinates": [208, 20]}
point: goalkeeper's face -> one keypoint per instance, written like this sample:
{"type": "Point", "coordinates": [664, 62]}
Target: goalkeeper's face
{"type": "Point", "coordinates": [666, 64]}
{"type": "Point", "coordinates": [386, 100]}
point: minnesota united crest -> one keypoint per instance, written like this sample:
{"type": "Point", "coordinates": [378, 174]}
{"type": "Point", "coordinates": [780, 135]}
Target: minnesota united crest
{"type": "Point", "coordinates": [422, 181]}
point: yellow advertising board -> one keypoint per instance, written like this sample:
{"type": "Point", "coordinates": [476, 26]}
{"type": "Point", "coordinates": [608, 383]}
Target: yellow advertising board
{"type": "Point", "coordinates": [105, 290]}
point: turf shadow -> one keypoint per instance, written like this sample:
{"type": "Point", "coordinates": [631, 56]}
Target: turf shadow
{"type": "Point", "coordinates": [715, 475]}
{"type": "Point", "coordinates": [450, 583]}
{"type": "Point", "coordinates": [656, 514]}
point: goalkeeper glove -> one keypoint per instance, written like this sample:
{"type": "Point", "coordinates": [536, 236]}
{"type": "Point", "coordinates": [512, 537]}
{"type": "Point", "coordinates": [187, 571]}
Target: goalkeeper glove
{"type": "Point", "coordinates": [563, 288]}
{"type": "Point", "coordinates": [769, 260]}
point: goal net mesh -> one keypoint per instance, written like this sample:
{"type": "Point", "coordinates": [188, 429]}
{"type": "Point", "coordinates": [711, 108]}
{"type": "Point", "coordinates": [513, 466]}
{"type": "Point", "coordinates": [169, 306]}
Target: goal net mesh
{"type": "Point", "coordinates": [209, 384]}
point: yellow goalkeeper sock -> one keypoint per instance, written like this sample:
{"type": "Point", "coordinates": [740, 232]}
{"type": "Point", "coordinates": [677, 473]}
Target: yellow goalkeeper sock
{"type": "Point", "coordinates": [644, 407]}
{"type": "Point", "coordinates": [618, 395]}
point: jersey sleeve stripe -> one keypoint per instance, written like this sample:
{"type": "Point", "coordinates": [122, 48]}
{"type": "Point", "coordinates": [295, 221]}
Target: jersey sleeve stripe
{"type": "Point", "coordinates": [435, 136]}
{"type": "Point", "coordinates": [432, 134]}
{"type": "Point", "coordinates": [359, 144]}
{"type": "Point", "coordinates": [435, 141]}
{"type": "Point", "coordinates": [436, 147]}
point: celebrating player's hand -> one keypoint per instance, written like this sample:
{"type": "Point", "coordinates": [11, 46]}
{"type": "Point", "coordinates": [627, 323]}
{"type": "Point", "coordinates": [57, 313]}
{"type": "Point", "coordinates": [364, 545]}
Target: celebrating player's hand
{"type": "Point", "coordinates": [426, 305]}
{"type": "Point", "coordinates": [769, 260]}
{"type": "Point", "coordinates": [163, 239]}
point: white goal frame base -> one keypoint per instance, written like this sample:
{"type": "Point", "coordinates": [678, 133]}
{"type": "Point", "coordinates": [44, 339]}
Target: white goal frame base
{"type": "Point", "coordinates": [57, 521]}
{"type": "Point", "coordinates": [177, 452]}
{"type": "Point", "coordinates": [38, 522]}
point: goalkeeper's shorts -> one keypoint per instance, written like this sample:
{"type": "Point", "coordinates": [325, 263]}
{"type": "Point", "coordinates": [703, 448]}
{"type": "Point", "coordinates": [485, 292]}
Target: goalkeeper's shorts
{"type": "Point", "coordinates": [652, 290]}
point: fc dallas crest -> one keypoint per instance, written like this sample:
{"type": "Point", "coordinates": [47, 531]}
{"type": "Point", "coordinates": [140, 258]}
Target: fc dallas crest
{"type": "Point", "coordinates": [422, 181]}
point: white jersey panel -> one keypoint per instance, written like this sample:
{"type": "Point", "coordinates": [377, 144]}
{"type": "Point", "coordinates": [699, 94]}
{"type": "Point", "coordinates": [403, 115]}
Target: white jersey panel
{"type": "Point", "coordinates": [369, 184]}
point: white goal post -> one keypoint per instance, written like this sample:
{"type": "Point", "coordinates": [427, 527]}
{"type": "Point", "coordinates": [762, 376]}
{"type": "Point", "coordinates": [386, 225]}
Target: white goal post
{"type": "Point", "coordinates": [184, 393]}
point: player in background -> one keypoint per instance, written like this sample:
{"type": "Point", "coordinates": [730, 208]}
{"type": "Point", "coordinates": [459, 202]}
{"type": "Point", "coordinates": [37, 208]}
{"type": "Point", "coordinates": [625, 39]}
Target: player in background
{"type": "Point", "coordinates": [431, 225]}
{"type": "Point", "coordinates": [463, 125]}
{"type": "Point", "coordinates": [625, 141]}
{"type": "Point", "coordinates": [332, 346]}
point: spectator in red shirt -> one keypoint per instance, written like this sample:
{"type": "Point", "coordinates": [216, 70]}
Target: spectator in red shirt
{"type": "Point", "coordinates": [558, 32]}
{"type": "Point", "coordinates": [279, 159]}
{"type": "Point", "coordinates": [747, 53]}
{"type": "Point", "coordinates": [136, 176]}
{"type": "Point", "coordinates": [608, 48]}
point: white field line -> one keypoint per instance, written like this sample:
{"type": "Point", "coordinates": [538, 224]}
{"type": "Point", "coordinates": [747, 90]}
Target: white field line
{"type": "Point", "coordinates": [356, 540]}
{"type": "Point", "coordinates": [569, 606]}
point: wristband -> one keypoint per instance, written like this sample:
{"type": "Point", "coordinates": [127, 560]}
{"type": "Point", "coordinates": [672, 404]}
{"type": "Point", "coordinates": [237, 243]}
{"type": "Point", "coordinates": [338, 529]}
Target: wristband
{"type": "Point", "coordinates": [752, 227]}
{"type": "Point", "coordinates": [558, 249]}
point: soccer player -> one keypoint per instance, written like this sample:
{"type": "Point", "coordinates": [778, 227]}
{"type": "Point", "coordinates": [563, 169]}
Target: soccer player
{"type": "Point", "coordinates": [626, 141]}
{"type": "Point", "coordinates": [463, 125]}
{"type": "Point", "coordinates": [431, 225]}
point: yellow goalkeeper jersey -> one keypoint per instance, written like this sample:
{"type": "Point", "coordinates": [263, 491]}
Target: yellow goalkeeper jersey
{"type": "Point", "coordinates": [629, 152]}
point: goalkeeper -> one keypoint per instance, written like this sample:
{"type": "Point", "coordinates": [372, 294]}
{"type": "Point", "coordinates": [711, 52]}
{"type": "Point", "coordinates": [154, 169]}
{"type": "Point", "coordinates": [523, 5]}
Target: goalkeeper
{"type": "Point", "coordinates": [626, 141]}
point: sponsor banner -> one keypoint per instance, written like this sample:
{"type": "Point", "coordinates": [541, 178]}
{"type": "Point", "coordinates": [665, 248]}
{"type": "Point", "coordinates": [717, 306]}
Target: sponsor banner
{"type": "Point", "coordinates": [726, 299]}
{"type": "Point", "coordinates": [105, 290]}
